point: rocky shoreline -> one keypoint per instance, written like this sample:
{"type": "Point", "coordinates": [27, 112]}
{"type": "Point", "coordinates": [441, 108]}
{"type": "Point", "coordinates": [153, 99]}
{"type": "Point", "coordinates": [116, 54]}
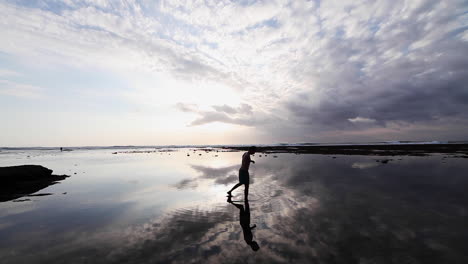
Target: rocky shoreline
{"type": "Point", "coordinates": [379, 150]}
{"type": "Point", "coordinates": [19, 181]}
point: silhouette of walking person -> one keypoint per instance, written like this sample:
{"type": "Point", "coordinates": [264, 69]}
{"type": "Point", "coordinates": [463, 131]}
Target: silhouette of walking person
{"type": "Point", "coordinates": [244, 176]}
{"type": "Point", "coordinates": [244, 220]}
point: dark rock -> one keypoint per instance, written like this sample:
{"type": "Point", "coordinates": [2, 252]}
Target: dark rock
{"type": "Point", "coordinates": [19, 181]}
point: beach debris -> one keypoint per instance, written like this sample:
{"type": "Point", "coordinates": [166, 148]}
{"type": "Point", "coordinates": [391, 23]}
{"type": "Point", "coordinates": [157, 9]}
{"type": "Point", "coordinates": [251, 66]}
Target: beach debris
{"type": "Point", "coordinates": [274, 156]}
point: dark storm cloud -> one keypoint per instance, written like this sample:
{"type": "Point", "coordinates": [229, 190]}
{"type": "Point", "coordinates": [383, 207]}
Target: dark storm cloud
{"type": "Point", "coordinates": [416, 91]}
{"type": "Point", "coordinates": [410, 70]}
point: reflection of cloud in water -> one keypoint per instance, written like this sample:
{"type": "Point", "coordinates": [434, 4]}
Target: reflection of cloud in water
{"type": "Point", "coordinates": [214, 235]}
{"type": "Point", "coordinates": [214, 173]}
{"type": "Point", "coordinates": [221, 175]}
{"type": "Point", "coordinates": [201, 234]}
{"type": "Point", "coordinates": [308, 209]}
{"type": "Point", "coordinates": [364, 165]}
{"type": "Point", "coordinates": [186, 183]}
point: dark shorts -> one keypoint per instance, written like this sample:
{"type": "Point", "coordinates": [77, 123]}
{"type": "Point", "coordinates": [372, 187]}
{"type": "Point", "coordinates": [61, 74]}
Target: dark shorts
{"type": "Point", "coordinates": [243, 176]}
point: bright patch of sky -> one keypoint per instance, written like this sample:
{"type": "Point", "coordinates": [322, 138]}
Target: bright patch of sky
{"type": "Point", "coordinates": [218, 72]}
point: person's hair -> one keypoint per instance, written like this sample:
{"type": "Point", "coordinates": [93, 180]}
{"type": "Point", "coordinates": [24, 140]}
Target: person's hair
{"type": "Point", "coordinates": [253, 149]}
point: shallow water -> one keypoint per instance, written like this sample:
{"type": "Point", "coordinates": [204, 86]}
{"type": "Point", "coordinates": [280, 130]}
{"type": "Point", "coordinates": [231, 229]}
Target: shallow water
{"type": "Point", "coordinates": [167, 207]}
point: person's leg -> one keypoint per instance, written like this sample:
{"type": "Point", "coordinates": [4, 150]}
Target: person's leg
{"type": "Point", "coordinates": [235, 187]}
{"type": "Point", "coordinates": [246, 191]}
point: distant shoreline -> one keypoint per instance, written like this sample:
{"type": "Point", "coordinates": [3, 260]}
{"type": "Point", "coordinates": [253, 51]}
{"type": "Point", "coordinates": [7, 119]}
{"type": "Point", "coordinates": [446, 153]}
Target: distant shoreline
{"type": "Point", "coordinates": [378, 149]}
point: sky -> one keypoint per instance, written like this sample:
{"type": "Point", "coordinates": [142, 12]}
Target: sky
{"type": "Point", "coordinates": [83, 73]}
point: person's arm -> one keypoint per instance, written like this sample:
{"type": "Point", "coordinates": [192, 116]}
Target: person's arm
{"type": "Point", "coordinates": [254, 226]}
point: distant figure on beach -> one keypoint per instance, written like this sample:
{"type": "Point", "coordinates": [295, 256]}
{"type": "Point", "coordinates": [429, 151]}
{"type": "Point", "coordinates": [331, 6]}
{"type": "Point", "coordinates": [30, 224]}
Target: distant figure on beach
{"type": "Point", "coordinates": [61, 149]}
{"type": "Point", "coordinates": [244, 220]}
{"type": "Point", "coordinates": [244, 176]}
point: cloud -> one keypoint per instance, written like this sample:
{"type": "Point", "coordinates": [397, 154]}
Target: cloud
{"type": "Point", "coordinates": [108, 35]}
{"type": "Point", "coordinates": [356, 64]}
{"type": "Point", "coordinates": [187, 107]}
{"type": "Point", "coordinates": [8, 73]}
{"type": "Point", "coordinates": [20, 89]}
{"type": "Point", "coordinates": [240, 115]}
{"type": "Point", "coordinates": [225, 108]}
{"type": "Point", "coordinates": [359, 119]}
{"type": "Point", "coordinates": [306, 70]}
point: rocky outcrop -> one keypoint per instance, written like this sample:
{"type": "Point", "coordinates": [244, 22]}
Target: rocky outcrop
{"type": "Point", "coordinates": [19, 181]}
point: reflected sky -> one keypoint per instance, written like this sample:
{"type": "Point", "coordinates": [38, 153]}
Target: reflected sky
{"type": "Point", "coordinates": [168, 207]}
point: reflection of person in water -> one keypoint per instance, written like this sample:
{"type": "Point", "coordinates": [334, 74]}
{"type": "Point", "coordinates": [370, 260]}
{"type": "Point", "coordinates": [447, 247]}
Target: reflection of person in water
{"type": "Point", "coordinates": [244, 219]}
{"type": "Point", "coordinates": [244, 177]}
